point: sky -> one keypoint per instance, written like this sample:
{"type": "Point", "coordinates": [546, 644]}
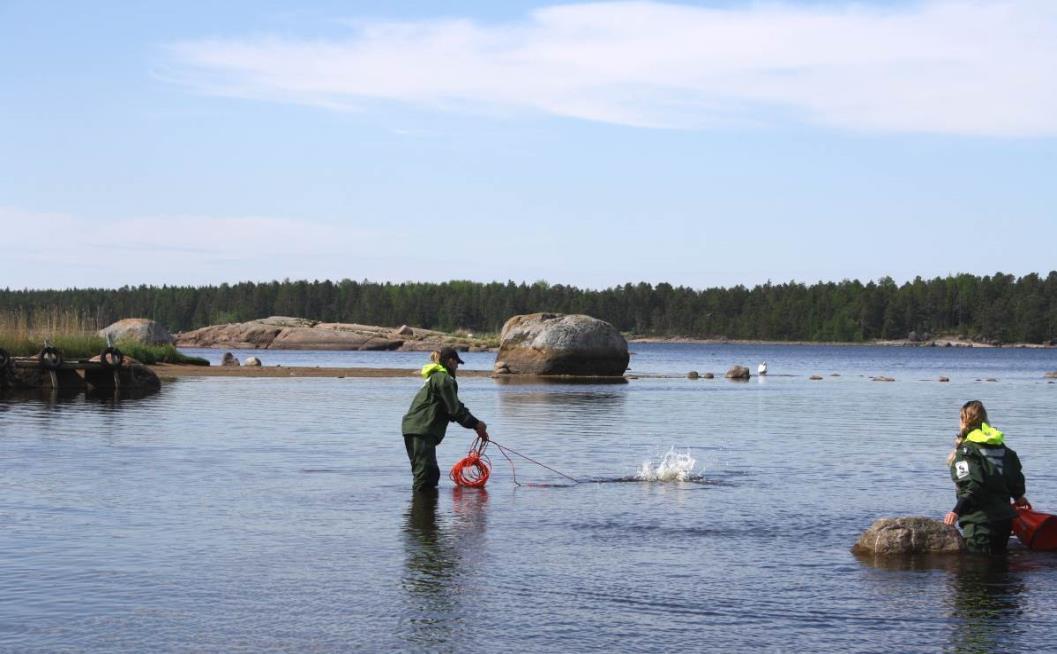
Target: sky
{"type": "Point", "coordinates": [702, 144]}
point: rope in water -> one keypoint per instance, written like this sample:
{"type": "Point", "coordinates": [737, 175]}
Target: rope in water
{"type": "Point", "coordinates": [504, 449]}
{"type": "Point", "coordinates": [473, 470]}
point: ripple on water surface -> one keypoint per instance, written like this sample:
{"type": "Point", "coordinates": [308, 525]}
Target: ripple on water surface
{"type": "Point", "coordinates": [274, 514]}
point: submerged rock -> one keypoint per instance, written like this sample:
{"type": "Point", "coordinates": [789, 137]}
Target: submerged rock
{"type": "Point", "coordinates": [909, 535]}
{"type": "Point", "coordinates": [559, 344]}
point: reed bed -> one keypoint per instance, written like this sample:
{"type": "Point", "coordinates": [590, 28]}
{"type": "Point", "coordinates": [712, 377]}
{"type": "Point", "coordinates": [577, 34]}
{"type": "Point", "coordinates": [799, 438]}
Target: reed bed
{"type": "Point", "coordinates": [75, 335]}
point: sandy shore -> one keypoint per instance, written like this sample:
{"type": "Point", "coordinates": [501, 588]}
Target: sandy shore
{"type": "Point", "coordinates": [164, 370]}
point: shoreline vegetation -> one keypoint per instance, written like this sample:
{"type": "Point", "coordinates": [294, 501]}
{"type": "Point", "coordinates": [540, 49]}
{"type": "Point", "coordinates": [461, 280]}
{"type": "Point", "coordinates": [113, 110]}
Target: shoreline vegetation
{"type": "Point", "coordinates": [989, 309]}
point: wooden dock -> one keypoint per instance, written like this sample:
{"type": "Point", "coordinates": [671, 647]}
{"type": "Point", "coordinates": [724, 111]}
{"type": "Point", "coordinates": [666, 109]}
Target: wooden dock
{"type": "Point", "coordinates": [53, 373]}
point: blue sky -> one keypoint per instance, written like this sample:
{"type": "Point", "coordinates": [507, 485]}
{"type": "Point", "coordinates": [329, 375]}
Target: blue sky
{"type": "Point", "coordinates": [702, 144]}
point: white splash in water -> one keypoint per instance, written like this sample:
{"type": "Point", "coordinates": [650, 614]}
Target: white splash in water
{"type": "Point", "coordinates": [673, 466]}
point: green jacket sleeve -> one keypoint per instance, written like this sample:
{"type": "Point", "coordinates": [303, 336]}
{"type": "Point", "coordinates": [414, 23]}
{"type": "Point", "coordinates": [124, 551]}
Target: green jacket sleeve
{"type": "Point", "coordinates": [1014, 475]}
{"type": "Point", "coordinates": [448, 392]}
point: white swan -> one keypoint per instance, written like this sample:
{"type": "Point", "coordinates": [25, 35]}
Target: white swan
{"type": "Point", "coordinates": [762, 368]}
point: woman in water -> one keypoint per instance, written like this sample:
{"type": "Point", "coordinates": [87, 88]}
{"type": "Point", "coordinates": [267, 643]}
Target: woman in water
{"type": "Point", "coordinates": [987, 475]}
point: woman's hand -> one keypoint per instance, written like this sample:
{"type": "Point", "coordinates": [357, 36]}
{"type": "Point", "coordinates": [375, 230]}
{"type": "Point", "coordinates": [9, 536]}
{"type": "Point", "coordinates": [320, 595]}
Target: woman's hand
{"type": "Point", "coordinates": [950, 519]}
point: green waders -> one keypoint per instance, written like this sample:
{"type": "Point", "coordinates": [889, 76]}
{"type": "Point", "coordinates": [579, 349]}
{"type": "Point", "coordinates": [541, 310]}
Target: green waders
{"type": "Point", "coordinates": [422, 453]}
{"type": "Point", "coordinates": [987, 537]}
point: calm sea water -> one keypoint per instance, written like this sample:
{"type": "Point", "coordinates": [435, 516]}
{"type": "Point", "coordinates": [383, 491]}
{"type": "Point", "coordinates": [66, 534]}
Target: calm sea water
{"type": "Point", "coordinates": [275, 514]}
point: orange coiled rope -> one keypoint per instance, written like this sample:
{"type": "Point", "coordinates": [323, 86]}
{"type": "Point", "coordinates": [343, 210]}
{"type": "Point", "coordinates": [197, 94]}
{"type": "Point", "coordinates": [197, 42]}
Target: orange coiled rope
{"type": "Point", "coordinates": [473, 469]}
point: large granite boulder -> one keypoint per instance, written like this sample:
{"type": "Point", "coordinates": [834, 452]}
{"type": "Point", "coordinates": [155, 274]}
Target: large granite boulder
{"type": "Point", "coordinates": [909, 535]}
{"type": "Point", "coordinates": [557, 344]}
{"type": "Point", "coordinates": [140, 330]}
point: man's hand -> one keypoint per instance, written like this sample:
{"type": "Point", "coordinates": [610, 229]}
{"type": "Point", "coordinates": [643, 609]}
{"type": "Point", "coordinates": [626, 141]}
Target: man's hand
{"type": "Point", "coordinates": [482, 430]}
{"type": "Point", "coordinates": [951, 518]}
{"type": "Point", "coordinates": [1022, 502]}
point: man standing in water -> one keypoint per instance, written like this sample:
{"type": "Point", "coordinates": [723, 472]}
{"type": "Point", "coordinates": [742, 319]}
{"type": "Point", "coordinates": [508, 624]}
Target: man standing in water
{"type": "Point", "coordinates": [434, 406]}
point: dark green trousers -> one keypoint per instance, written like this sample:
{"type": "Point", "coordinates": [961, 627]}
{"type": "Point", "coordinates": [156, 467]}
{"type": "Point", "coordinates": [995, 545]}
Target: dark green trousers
{"type": "Point", "coordinates": [422, 453]}
{"type": "Point", "coordinates": [987, 537]}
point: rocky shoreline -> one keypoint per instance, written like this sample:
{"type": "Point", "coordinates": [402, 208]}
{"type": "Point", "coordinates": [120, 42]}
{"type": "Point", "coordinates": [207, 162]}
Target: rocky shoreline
{"type": "Point", "coordinates": [286, 333]}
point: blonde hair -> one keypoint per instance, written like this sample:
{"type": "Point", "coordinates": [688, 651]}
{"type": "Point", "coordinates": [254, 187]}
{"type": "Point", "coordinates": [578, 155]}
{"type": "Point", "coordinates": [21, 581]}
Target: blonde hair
{"type": "Point", "coordinates": [434, 356]}
{"type": "Point", "coordinates": [973, 415]}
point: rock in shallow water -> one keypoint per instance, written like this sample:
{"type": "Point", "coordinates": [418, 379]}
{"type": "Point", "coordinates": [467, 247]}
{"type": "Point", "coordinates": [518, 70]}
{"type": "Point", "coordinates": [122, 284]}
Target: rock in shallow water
{"type": "Point", "coordinates": [909, 535]}
{"type": "Point", "coordinates": [738, 372]}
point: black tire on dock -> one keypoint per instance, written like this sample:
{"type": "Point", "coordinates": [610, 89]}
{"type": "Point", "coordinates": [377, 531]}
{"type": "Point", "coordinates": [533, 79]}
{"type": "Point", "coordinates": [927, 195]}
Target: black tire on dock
{"type": "Point", "coordinates": [111, 357]}
{"type": "Point", "coordinates": [50, 358]}
{"type": "Point", "coordinates": [5, 358]}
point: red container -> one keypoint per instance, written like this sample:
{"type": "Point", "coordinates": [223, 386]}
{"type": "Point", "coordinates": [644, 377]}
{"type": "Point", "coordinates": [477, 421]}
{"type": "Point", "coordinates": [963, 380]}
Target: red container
{"type": "Point", "coordinates": [1038, 531]}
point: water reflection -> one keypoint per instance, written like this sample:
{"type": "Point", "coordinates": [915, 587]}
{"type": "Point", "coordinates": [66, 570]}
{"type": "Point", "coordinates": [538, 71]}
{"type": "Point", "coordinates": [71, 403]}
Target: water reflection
{"type": "Point", "coordinates": [49, 397]}
{"type": "Point", "coordinates": [556, 380]}
{"type": "Point", "coordinates": [440, 560]}
{"type": "Point", "coordinates": [986, 601]}
{"type": "Point", "coordinates": [985, 596]}
{"type": "Point", "coordinates": [594, 399]}
{"type": "Point", "coordinates": [52, 397]}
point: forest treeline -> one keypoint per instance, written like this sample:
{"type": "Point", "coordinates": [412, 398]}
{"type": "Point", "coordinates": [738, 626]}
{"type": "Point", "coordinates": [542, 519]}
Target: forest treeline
{"type": "Point", "coordinates": [995, 307]}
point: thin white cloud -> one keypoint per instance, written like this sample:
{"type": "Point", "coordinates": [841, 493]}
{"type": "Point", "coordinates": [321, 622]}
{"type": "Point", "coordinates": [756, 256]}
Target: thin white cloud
{"type": "Point", "coordinates": [983, 67]}
{"type": "Point", "coordinates": [62, 250]}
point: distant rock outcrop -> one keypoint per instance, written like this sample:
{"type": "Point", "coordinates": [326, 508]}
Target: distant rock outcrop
{"type": "Point", "coordinates": [140, 330]}
{"type": "Point", "coordinates": [559, 344]}
{"type": "Point", "coordinates": [286, 333]}
{"type": "Point", "coordinates": [909, 535]}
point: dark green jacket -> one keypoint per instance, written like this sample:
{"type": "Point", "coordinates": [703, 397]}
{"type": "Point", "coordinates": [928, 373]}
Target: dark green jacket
{"type": "Point", "coordinates": [987, 477]}
{"type": "Point", "coordinates": [435, 405]}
